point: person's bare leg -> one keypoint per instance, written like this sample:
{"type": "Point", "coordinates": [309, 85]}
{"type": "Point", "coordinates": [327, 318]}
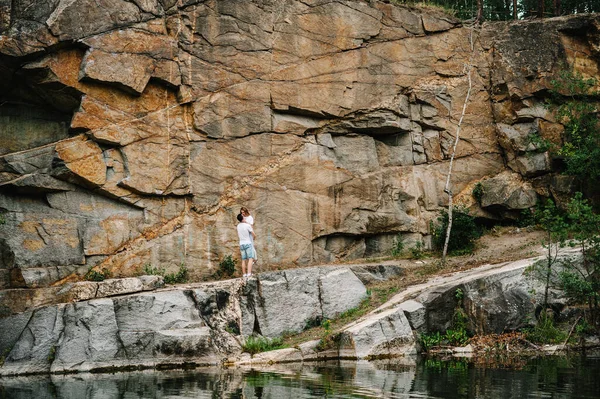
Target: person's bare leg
{"type": "Point", "coordinates": [250, 262]}
{"type": "Point", "coordinates": [244, 266]}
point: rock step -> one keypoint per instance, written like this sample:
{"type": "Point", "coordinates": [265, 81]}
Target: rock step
{"type": "Point", "coordinates": [197, 323]}
{"type": "Point", "coordinates": [206, 323]}
{"type": "Point", "coordinates": [496, 298]}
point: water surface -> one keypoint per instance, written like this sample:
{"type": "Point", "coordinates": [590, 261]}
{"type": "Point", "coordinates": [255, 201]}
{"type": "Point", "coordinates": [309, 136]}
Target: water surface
{"type": "Point", "coordinates": [550, 377]}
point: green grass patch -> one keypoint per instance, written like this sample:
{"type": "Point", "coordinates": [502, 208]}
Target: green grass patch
{"type": "Point", "coordinates": [418, 251]}
{"type": "Point", "coordinates": [149, 270]}
{"type": "Point", "coordinates": [254, 345]}
{"type": "Point", "coordinates": [355, 312]}
{"type": "Point", "coordinates": [95, 275]}
{"type": "Point", "coordinates": [545, 331]}
{"type": "Point", "coordinates": [179, 277]}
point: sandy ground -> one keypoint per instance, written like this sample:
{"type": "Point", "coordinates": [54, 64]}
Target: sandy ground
{"type": "Point", "coordinates": [502, 244]}
{"type": "Point", "coordinates": [498, 245]}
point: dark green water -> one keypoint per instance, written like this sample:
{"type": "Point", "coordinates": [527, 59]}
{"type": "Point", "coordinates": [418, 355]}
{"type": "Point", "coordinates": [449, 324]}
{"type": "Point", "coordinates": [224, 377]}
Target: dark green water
{"type": "Point", "coordinates": [550, 377]}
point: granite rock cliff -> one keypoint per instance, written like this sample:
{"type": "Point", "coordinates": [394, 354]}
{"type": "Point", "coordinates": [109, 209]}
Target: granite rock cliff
{"type": "Point", "coordinates": [132, 131]}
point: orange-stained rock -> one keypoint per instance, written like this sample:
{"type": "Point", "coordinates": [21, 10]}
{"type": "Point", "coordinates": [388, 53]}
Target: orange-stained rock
{"type": "Point", "coordinates": [332, 121]}
{"type": "Point", "coordinates": [135, 41]}
{"type": "Point", "coordinates": [83, 158]}
{"type": "Point", "coordinates": [436, 21]}
{"type": "Point", "coordinates": [110, 235]}
{"type": "Point", "coordinates": [131, 72]}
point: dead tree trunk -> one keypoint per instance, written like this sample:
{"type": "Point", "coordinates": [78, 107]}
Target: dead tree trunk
{"type": "Point", "coordinates": [447, 188]}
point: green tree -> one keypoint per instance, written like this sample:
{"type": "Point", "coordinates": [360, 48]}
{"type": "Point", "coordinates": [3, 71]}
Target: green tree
{"type": "Point", "coordinates": [581, 279]}
{"type": "Point", "coordinates": [463, 235]}
{"type": "Point", "coordinates": [503, 10]}
{"type": "Point", "coordinates": [578, 226]}
{"type": "Point", "coordinates": [556, 232]}
{"type": "Point", "coordinates": [575, 101]}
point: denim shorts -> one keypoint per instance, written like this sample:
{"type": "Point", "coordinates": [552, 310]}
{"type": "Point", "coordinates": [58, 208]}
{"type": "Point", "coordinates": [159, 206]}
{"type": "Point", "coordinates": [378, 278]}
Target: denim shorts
{"type": "Point", "coordinates": [247, 251]}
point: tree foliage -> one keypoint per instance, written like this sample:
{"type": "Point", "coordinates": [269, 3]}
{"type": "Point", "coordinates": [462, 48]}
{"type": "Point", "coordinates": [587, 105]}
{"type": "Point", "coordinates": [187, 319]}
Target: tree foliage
{"type": "Point", "coordinates": [555, 226]}
{"type": "Point", "coordinates": [503, 10]}
{"type": "Point", "coordinates": [575, 101]}
{"type": "Point", "coordinates": [576, 226]}
{"type": "Point", "coordinates": [464, 232]}
{"type": "Point", "coordinates": [581, 280]}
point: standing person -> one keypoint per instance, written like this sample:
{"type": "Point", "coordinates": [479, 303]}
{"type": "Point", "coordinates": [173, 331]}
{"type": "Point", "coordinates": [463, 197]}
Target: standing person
{"type": "Point", "coordinates": [246, 236]}
{"type": "Point", "coordinates": [247, 217]}
{"type": "Point", "coordinates": [250, 220]}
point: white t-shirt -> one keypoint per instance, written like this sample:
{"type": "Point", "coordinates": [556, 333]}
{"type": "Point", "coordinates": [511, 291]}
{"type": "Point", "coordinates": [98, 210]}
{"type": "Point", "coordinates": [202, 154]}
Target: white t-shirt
{"type": "Point", "coordinates": [249, 219]}
{"type": "Point", "coordinates": [244, 233]}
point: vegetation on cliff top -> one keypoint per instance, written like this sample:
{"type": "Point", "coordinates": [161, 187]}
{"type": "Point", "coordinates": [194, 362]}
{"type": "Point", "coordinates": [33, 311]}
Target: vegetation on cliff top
{"type": "Point", "coordinates": [504, 10]}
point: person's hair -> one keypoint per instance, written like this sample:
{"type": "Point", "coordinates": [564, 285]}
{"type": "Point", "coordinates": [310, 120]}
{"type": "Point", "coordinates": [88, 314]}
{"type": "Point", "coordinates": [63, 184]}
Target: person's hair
{"type": "Point", "coordinates": [244, 210]}
{"type": "Point", "coordinates": [240, 217]}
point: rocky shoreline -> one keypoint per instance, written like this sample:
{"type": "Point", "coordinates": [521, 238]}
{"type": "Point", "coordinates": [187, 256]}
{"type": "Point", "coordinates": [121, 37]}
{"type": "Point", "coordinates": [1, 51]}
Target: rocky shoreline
{"type": "Point", "coordinates": [206, 324]}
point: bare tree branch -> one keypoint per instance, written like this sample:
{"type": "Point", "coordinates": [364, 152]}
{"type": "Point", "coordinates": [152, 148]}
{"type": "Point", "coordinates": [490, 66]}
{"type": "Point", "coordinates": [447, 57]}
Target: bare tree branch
{"type": "Point", "coordinates": [447, 188]}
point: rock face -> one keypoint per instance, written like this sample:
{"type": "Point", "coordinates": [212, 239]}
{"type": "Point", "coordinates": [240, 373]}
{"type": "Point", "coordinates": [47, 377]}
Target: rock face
{"type": "Point", "coordinates": [132, 131]}
{"type": "Point", "coordinates": [201, 324]}
{"type": "Point", "coordinates": [289, 301]}
{"type": "Point", "coordinates": [206, 324]}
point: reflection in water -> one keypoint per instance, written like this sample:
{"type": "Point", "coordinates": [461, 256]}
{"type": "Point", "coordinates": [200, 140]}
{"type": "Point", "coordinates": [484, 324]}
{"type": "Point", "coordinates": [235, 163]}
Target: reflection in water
{"type": "Point", "coordinates": [550, 377]}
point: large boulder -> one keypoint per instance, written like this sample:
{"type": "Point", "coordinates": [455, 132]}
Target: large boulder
{"type": "Point", "coordinates": [507, 191]}
{"type": "Point", "coordinates": [525, 148]}
{"type": "Point", "coordinates": [385, 334]}
{"type": "Point", "coordinates": [35, 345]}
{"type": "Point", "coordinates": [88, 339]}
{"type": "Point", "coordinates": [500, 299]}
{"type": "Point", "coordinates": [314, 294]}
